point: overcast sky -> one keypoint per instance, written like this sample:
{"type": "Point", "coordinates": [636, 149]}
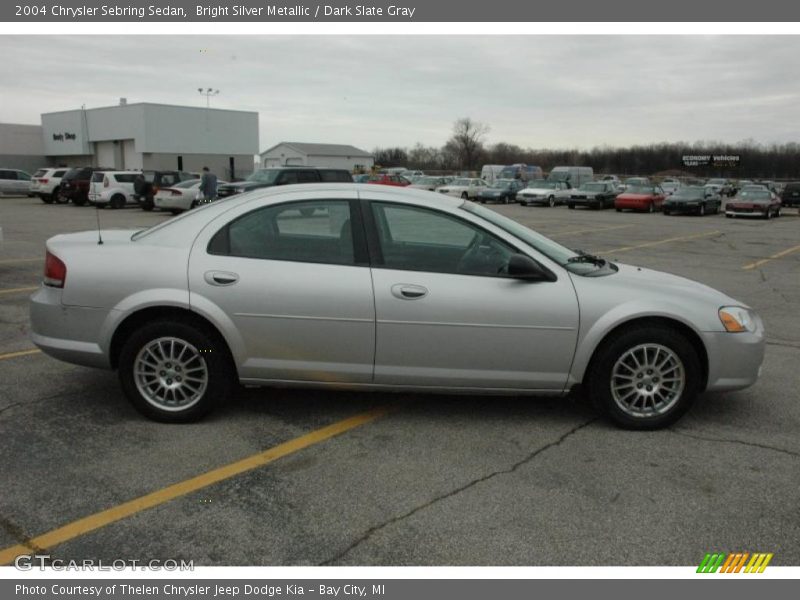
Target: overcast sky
{"type": "Point", "coordinates": [534, 91]}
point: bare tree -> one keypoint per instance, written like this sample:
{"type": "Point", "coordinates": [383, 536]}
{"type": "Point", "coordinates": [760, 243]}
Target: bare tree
{"type": "Point", "coordinates": [467, 142]}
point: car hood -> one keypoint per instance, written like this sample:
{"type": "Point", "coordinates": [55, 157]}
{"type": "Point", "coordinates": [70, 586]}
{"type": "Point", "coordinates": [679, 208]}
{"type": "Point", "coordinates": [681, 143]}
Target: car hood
{"type": "Point", "coordinates": [662, 284]}
{"type": "Point", "coordinates": [635, 197]}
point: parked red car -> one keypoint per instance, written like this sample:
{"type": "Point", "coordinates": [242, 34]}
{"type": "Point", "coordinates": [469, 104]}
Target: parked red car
{"type": "Point", "coordinates": [384, 179]}
{"type": "Point", "coordinates": [648, 198]}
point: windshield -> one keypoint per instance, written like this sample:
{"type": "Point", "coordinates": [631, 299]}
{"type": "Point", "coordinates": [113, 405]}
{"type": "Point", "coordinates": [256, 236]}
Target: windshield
{"type": "Point", "coordinates": [543, 185]}
{"type": "Point", "coordinates": [188, 183]}
{"type": "Point", "coordinates": [264, 176]}
{"type": "Point", "coordinates": [502, 184]}
{"type": "Point", "coordinates": [553, 250]}
{"type": "Point", "coordinates": [640, 189]}
{"type": "Point", "coordinates": [690, 193]}
{"type": "Point", "coordinates": [755, 195]}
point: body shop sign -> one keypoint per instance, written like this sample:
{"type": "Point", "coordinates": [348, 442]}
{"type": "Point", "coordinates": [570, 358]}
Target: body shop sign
{"type": "Point", "coordinates": [710, 160]}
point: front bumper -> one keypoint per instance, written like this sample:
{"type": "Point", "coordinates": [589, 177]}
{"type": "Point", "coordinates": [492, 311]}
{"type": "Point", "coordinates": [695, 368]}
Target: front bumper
{"type": "Point", "coordinates": [68, 333]}
{"type": "Point", "coordinates": [681, 207]}
{"type": "Point", "coordinates": [734, 359]}
{"type": "Point", "coordinates": [738, 212]}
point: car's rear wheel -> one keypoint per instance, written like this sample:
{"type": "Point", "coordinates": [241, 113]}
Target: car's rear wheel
{"type": "Point", "coordinates": [571, 206]}
{"type": "Point", "coordinates": [47, 198]}
{"type": "Point", "coordinates": [551, 201]}
{"type": "Point", "coordinates": [117, 201]}
{"type": "Point", "coordinates": [645, 377]}
{"type": "Point", "coordinates": [174, 372]}
{"type": "Point", "coordinates": [465, 196]}
{"type": "Point", "coordinates": [147, 204]}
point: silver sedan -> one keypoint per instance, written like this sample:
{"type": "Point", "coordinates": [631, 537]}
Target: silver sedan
{"type": "Point", "coordinates": [357, 286]}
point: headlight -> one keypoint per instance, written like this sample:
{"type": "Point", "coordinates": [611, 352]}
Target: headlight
{"type": "Point", "coordinates": [736, 319]}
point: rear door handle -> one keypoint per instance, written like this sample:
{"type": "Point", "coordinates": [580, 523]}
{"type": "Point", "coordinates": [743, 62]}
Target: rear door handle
{"type": "Point", "coordinates": [407, 291]}
{"type": "Point", "coordinates": [221, 278]}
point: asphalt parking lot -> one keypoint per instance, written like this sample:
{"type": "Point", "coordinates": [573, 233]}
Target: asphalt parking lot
{"type": "Point", "coordinates": [413, 480]}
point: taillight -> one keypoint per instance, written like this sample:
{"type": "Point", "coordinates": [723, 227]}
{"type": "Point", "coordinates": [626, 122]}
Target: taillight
{"type": "Point", "coordinates": [105, 181]}
{"type": "Point", "coordinates": [42, 180]}
{"type": "Point", "coordinates": [55, 271]}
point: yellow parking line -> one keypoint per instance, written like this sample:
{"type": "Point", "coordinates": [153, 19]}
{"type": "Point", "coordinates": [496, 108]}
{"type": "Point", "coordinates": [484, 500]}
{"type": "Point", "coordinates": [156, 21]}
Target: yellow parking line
{"type": "Point", "coordinates": [576, 231]}
{"type": "Point", "coordinates": [659, 242]}
{"type": "Point", "coordinates": [780, 254]}
{"type": "Point", "coordinates": [18, 290]}
{"type": "Point", "coordinates": [100, 519]}
{"type": "Point", "coordinates": [20, 353]}
{"type": "Point", "coordinates": [11, 261]}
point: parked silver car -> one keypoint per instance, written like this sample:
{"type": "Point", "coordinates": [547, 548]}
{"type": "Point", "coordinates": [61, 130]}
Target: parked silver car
{"type": "Point", "coordinates": [376, 288]}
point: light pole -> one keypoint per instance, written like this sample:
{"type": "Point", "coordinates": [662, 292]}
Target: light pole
{"type": "Point", "coordinates": [208, 92]}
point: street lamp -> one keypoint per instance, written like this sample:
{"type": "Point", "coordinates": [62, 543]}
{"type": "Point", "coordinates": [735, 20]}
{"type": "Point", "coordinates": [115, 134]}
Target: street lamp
{"type": "Point", "coordinates": [208, 92]}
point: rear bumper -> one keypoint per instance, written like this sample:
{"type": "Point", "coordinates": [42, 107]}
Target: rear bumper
{"type": "Point", "coordinates": [68, 333]}
{"type": "Point", "coordinates": [171, 203]}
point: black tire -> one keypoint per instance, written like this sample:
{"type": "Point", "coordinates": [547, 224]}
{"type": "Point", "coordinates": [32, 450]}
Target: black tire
{"type": "Point", "coordinates": [727, 216]}
{"type": "Point", "coordinates": [702, 210]}
{"type": "Point", "coordinates": [651, 208]}
{"type": "Point", "coordinates": [665, 211]}
{"type": "Point", "coordinates": [47, 198]}
{"type": "Point", "coordinates": [618, 209]}
{"type": "Point", "coordinates": [551, 201]}
{"type": "Point", "coordinates": [117, 201]}
{"type": "Point", "coordinates": [79, 200]}
{"type": "Point", "coordinates": [599, 375]}
{"type": "Point", "coordinates": [193, 204]}
{"type": "Point", "coordinates": [211, 354]}
{"type": "Point", "coordinates": [571, 206]}
{"type": "Point", "coordinates": [778, 213]}
{"type": "Point", "coordinates": [175, 211]}
{"type": "Point", "coordinates": [465, 196]}
{"type": "Point", "coordinates": [768, 214]}
{"type": "Point", "coordinates": [147, 204]}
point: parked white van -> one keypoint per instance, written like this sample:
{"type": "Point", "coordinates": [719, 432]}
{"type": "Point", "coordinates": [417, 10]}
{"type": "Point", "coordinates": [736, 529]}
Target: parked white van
{"type": "Point", "coordinates": [112, 188]}
{"type": "Point", "coordinates": [491, 172]}
{"type": "Point", "coordinates": [574, 176]}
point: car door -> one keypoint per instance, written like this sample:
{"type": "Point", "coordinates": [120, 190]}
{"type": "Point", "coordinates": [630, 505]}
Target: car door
{"type": "Point", "coordinates": [291, 282]}
{"type": "Point", "coordinates": [446, 318]}
{"type": "Point", "coordinates": [8, 179]}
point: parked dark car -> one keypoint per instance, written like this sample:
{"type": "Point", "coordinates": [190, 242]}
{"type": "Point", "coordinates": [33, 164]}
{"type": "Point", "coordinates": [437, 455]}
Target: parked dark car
{"type": "Point", "coordinates": [74, 185]}
{"type": "Point", "coordinates": [502, 190]}
{"type": "Point", "coordinates": [147, 184]}
{"type": "Point", "coordinates": [284, 176]}
{"type": "Point", "coordinates": [791, 194]}
{"type": "Point", "coordinates": [594, 194]}
{"type": "Point", "coordinates": [693, 199]}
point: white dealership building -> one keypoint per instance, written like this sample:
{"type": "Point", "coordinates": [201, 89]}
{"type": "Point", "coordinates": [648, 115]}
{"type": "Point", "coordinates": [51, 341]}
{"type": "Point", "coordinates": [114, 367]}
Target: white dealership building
{"type": "Point", "coordinates": [153, 136]}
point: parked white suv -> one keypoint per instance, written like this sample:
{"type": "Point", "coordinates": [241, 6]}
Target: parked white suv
{"type": "Point", "coordinates": [45, 183]}
{"type": "Point", "coordinates": [112, 188]}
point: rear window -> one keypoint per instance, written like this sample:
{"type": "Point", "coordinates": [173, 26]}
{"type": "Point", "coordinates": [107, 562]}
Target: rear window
{"type": "Point", "coordinates": [126, 177]}
{"type": "Point", "coordinates": [40, 173]}
{"type": "Point", "coordinates": [97, 176]}
{"type": "Point", "coordinates": [73, 174]}
{"type": "Point", "coordinates": [59, 173]}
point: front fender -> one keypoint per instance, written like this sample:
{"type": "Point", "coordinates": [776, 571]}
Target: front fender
{"type": "Point", "coordinates": [598, 328]}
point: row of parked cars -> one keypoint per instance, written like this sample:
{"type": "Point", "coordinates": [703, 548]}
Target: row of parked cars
{"type": "Point", "coordinates": [177, 191]}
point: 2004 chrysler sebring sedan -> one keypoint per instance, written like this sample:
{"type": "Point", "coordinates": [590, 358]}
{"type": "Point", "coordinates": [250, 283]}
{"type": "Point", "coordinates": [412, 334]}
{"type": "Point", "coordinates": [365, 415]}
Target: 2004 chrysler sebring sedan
{"type": "Point", "coordinates": [353, 286]}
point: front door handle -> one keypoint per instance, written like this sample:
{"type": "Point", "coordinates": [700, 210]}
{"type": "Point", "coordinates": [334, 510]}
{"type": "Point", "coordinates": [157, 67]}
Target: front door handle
{"type": "Point", "coordinates": [221, 278]}
{"type": "Point", "coordinates": [407, 291]}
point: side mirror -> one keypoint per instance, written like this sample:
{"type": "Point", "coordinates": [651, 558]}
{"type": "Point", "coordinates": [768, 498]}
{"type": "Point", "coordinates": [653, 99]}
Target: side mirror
{"type": "Point", "coordinates": [525, 268]}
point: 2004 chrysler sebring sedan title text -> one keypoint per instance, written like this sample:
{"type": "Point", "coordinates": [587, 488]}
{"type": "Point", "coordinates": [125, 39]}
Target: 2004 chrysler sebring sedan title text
{"type": "Point", "coordinates": [349, 286]}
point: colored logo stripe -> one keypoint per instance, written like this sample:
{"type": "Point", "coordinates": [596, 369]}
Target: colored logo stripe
{"type": "Point", "coordinates": [734, 562]}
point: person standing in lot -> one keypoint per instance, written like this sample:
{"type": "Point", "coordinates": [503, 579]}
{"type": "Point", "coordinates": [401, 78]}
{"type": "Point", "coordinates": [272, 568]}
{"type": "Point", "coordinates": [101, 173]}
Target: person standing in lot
{"type": "Point", "coordinates": [208, 185]}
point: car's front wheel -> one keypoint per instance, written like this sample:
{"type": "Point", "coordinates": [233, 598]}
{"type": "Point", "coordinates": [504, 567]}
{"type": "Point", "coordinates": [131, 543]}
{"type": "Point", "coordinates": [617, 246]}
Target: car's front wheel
{"type": "Point", "coordinates": [174, 372]}
{"type": "Point", "coordinates": [645, 377]}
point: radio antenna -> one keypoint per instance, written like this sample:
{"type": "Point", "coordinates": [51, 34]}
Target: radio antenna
{"type": "Point", "coordinates": [99, 235]}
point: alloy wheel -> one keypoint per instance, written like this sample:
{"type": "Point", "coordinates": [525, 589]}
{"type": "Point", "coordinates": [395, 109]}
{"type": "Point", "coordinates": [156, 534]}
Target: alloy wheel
{"type": "Point", "coordinates": [647, 380]}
